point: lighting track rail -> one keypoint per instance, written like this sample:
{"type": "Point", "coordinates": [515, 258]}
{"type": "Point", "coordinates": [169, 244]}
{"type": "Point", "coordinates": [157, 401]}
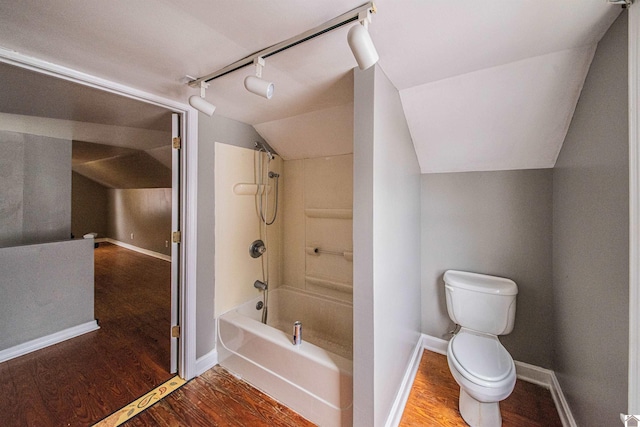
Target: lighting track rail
{"type": "Point", "coordinates": [361, 13]}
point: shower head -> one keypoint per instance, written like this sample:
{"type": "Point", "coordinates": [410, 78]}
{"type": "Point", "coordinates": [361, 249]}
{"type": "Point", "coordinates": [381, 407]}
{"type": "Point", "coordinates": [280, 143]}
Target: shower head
{"type": "Point", "coordinates": [263, 147]}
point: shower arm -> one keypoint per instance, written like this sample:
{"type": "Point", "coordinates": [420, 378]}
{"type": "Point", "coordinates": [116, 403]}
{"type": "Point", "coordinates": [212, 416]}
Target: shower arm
{"type": "Point", "coordinates": [262, 147]}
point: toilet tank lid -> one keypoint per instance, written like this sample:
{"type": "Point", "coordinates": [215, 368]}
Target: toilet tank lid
{"type": "Point", "coordinates": [480, 282]}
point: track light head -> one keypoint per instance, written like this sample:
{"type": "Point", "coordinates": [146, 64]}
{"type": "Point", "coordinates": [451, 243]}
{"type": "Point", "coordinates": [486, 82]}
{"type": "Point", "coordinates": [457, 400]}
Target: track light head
{"type": "Point", "coordinates": [255, 84]}
{"type": "Point", "coordinates": [258, 86]}
{"type": "Point", "coordinates": [202, 105]}
{"type": "Point", "coordinates": [362, 46]}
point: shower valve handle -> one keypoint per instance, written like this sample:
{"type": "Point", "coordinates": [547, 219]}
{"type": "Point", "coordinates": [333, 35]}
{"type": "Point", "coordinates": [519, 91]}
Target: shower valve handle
{"type": "Point", "coordinates": [257, 248]}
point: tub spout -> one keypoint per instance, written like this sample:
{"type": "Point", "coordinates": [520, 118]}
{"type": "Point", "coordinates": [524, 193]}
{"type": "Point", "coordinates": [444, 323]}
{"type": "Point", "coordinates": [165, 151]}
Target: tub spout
{"type": "Point", "coordinates": [260, 285]}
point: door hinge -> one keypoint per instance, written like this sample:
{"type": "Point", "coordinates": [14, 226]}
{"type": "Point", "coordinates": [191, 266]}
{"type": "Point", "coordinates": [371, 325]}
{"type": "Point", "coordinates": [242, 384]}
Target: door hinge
{"type": "Point", "coordinates": [177, 142]}
{"type": "Point", "coordinates": [176, 237]}
{"type": "Point", "coordinates": [175, 331]}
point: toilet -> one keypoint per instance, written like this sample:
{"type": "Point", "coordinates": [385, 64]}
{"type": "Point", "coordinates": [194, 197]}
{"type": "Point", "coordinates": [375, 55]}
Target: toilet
{"type": "Point", "coordinates": [484, 307]}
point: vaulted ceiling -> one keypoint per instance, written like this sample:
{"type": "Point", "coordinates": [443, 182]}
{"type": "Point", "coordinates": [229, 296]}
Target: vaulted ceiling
{"type": "Point", "coordinates": [485, 85]}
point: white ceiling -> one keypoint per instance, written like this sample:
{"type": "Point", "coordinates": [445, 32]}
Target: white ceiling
{"type": "Point", "coordinates": [485, 84]}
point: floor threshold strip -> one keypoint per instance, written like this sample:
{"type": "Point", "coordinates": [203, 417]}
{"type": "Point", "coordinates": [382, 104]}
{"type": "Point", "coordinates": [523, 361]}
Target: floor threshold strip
{"type": "Point", "coordinates": [142, 403]}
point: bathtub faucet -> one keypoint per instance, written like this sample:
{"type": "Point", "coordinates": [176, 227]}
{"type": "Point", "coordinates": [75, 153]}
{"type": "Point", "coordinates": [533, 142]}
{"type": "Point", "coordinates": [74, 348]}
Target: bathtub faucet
{"type": "Point", "coordinates": [260, 285]}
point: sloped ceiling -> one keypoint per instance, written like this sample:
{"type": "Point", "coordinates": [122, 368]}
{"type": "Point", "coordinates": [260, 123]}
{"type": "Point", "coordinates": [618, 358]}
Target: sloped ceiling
{"type": "Point", "coordinates": [517, 118]}
{"type": "Point", "coordinates": [117, 142]}
{"type": "Point", "coordinates": [486, 85]}
{"type": "Point", "coordinates": [119, 167]}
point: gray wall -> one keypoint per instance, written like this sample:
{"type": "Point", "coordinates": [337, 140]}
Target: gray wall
{"type": "Point", "coordinates": [44, 289]}
{"type": "Point", "coordinates": [496, 223]}
{"type": "Point", "coordinates": [143, 212]}
{"type": "Point", "coordinates": [386, 264]}
{"type": "Point", "coordinates": [88, 207]}
{"type": "Point", "coordinates": [35, 189]}
{"type": "Point", "coordinates": [590, 241]}
{"type": "Point", "coordinates": [211, 130]}
{"type": "Point", "coordinates": [117, 213]}
{"type": "Point", "coordinates": [561, 234]}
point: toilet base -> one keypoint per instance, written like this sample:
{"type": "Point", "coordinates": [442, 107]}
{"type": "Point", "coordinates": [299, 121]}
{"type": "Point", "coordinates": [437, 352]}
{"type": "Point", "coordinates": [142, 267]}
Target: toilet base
{"type": "Point", "coordinates": [479, 414]}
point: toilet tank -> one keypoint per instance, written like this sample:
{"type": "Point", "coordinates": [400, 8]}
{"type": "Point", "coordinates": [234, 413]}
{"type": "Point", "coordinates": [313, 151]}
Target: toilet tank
{"type": "Point", "coordinates": [480, 302]}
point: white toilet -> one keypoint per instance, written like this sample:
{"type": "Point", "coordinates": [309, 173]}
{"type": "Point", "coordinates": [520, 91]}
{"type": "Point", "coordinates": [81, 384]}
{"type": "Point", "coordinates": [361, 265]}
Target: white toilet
{"type": "Point", "coordinates": [484, 307]}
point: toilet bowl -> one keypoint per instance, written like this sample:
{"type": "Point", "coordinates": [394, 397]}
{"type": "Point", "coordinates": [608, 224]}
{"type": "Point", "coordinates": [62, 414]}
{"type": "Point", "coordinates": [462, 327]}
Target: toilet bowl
{"type": "Point", "coordinates": [484, 307]}
{"type": "Point", "coordinates": [486, 374]}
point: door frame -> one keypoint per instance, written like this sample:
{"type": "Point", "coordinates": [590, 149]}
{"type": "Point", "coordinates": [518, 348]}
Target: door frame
{"type": "Point", "coordinates": [188, 189]}
{"type": "Point", "coordinates": [634, 210]}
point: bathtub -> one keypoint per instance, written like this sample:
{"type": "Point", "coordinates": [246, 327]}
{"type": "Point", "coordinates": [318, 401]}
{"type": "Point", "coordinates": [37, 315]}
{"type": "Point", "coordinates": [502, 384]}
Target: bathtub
{"type": "Point", "coordinates": [313, 381]}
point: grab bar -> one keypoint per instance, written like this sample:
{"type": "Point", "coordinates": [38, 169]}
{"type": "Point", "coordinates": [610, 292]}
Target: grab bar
{"type": "Point", "coordinates": [348, 255]}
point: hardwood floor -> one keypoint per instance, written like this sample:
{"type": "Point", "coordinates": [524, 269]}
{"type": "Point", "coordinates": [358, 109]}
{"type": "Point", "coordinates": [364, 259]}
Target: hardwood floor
{"type": "Point", "coordinates": [433, 400]}
{"type": "Point", "coordinates": [82, 380]}
{"type": "Point", "coordinates": [217, 398]}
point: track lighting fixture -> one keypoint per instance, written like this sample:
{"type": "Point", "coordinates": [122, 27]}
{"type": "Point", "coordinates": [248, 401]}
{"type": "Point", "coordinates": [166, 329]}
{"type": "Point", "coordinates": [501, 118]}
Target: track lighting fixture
{"type": "Point", "coordinates": [360, 42]}
{"type": "Point", "coordinates": [358, 38]}
{"type": "Point", "coordinates": [255, 84]}
{"type": "Point", "coordinates": [201, 104]}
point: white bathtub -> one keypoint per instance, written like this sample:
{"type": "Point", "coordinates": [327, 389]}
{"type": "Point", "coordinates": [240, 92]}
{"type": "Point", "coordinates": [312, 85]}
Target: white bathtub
{"type": "Point", "coordinates": [311, 380]}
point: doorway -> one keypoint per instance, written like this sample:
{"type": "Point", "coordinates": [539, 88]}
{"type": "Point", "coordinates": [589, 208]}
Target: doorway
{"type": "Point", "coordinates": [128, 195]}
{"type": "Point", "coordinates": [66, 110]}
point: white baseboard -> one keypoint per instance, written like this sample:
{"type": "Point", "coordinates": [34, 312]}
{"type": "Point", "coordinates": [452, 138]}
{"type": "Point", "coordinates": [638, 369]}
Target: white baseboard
{"type": "Point", "coordinates": [135, 248]}
{"type": "Point", "coordinates": [395, 415]}
{"type": "Point", "coordinates": [547, 378]}
{"type": "Point", "coordinates": [534, 374]}
{"type": "Point", "coordinates": [437, 345]}
{"type": "Point", "coordinates": [561, 403]}
{"type": "Point", "coordinates": [46, 341]}
{"type": "Point", "coordinates": [206, 362]}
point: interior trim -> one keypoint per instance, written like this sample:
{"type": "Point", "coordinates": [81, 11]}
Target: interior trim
{"type": "Point", "coordinates": [399, 403]}
{"type": "Point", "coordinates": [206, 362]}
{"type": "Point", "coordinates": [134, 248]}
{"type": "Point", "coordinates": [633, 406]}
{"type": "Point", "coordinates": [47, 340]}
{"type": "Point", "coordinates": [188, 250]}
{"type": "Point", "coordinates": [547, 378]}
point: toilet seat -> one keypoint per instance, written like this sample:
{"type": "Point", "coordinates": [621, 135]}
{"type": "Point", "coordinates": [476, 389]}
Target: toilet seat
{"type": "Point", "coordinates": [481, 359]}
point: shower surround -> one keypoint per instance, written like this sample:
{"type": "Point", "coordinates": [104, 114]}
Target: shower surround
{"type": "Point", "coordinates": [309, 254]}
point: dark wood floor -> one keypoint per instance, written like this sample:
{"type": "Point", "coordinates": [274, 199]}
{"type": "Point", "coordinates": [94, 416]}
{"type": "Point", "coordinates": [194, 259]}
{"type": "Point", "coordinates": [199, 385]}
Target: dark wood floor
{"type": "Point", "coordinates": [217, 398]}
{"type": "Point", "coordinates": [433, 400]}
{"type": "Point", "coordinates": [82, 380]}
